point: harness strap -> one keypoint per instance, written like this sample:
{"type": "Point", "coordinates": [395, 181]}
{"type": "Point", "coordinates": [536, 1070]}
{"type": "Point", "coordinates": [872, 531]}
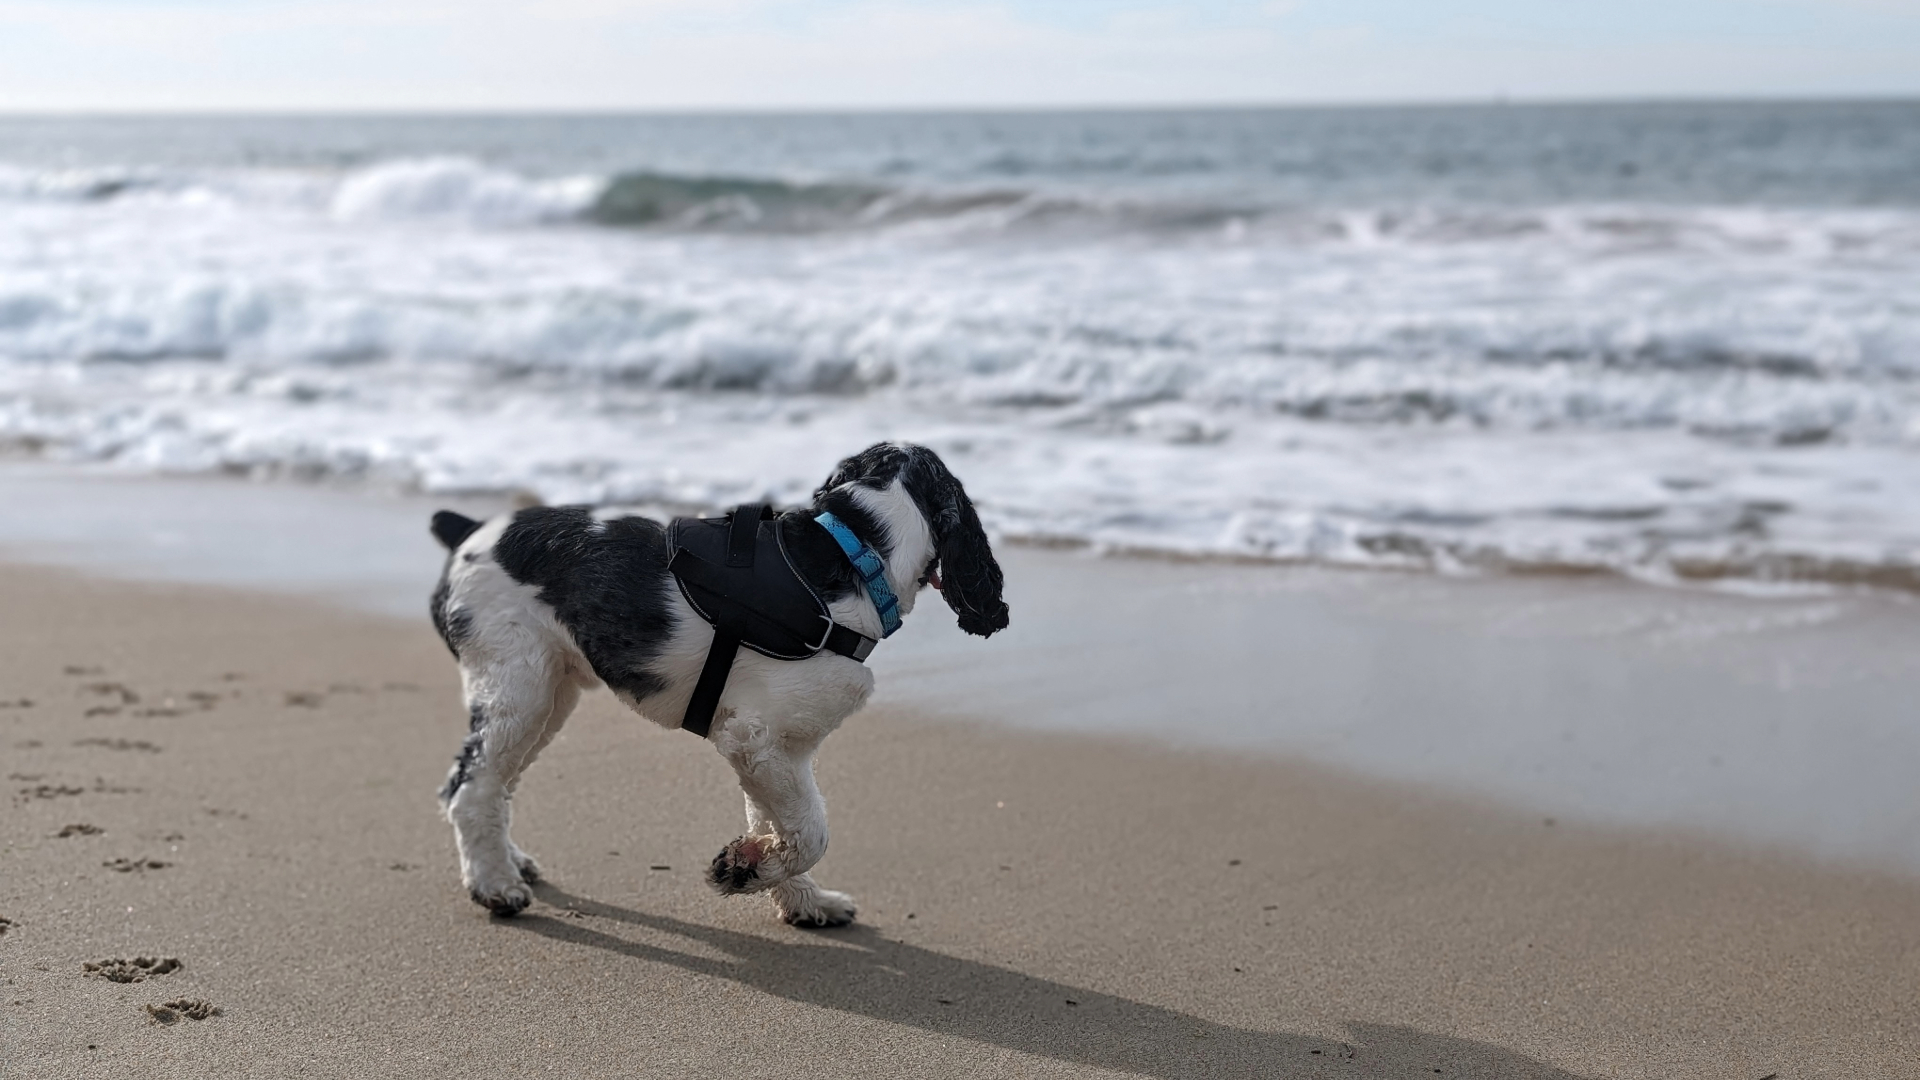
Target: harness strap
{"type": "Point", "coordinates": [850, 643]}
{"type": "Point", "coordinates": [742, 528]}
{"type": "Point", "coordinates": [713, 680]}
{"type": "Point", "coordinates": [727, 585]}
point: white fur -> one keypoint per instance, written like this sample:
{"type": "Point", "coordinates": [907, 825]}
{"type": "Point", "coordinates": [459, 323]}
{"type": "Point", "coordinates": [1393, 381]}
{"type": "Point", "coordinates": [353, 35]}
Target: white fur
{"type": "Point", "coordinates": [521, 667]}
{"type": "Point", "coordinates": [910, 538]}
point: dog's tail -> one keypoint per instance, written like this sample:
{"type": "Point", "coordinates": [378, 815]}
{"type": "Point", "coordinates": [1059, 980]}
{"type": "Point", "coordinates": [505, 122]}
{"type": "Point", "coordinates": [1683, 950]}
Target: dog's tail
{"type": "Point", "coordinates": [453, 529]}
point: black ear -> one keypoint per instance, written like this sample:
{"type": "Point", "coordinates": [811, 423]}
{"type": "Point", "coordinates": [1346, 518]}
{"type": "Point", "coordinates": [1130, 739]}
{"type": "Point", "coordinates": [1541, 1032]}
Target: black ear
{"type": "Point", "coordinates": [970, 578]}
{"type": "Point", "coordinates": [452, 529]}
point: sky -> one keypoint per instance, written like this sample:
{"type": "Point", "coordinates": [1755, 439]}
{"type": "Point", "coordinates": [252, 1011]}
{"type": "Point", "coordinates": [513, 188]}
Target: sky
{"type": "Point", "coordinates": [264, 55]}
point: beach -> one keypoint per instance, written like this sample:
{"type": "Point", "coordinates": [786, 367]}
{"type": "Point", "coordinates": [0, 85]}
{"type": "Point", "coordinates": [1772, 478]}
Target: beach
{"type": "Point", "coordinates": [1463, 563]}
{"type": "Point", "coordinates": [1045, 903]}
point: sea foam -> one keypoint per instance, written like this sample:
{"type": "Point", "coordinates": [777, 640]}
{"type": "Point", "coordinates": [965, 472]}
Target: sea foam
{"type": "Point", "coordinates": [1682, 391]}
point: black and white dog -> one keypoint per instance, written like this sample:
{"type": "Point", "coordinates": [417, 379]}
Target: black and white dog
{"type": "Point", "coordinates": [542, 603]}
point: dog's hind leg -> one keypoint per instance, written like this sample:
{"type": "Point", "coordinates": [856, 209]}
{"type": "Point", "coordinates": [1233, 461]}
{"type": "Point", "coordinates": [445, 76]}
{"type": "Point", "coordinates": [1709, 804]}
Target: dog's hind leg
{"type": "Point", "coordinates": [565, 697]}
{"type": "Point", "coordinates": [515, 708]}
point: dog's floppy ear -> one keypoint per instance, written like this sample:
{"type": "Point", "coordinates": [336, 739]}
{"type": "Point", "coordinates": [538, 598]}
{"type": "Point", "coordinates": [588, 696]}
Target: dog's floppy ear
{"type": "Point", "coordinates": [970, 578]}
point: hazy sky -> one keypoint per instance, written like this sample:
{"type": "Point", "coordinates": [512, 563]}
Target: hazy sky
{"type": "Point", "coordinates": [610, 54]}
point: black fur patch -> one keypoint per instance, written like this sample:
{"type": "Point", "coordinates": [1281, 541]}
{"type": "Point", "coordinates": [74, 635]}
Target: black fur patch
{"type": "Point", "coordinates": [452, 529]}
{"type": "Point", "coordinates": [971, 580]}
{"type": "Point", "coordinates": [607, 582]}
{"type": "Point", "coordinates": [454, 627]}
{"type": "Point", "coordinates": [469, 757]}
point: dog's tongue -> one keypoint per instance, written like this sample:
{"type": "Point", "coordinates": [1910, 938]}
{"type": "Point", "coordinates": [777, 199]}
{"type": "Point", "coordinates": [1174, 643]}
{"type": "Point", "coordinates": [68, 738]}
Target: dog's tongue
{"type": "Point", "coordinates": [933, 578]}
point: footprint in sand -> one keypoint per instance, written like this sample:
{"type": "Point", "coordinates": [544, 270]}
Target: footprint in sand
{"type": "Point", "coordinates": [84, 669]}
{"type": "Point", "coordinates": [81, 829]}
{"type": "Point", "coordinates": [185, 1008]}
{"type": "Point", "coordinates": [17, 703]}
{"type": "Point", "coordinates": [120, 744]}
{"type": "Point", "coordinates": [6, 924]}
{"type": "Point", "coordinates": [51, 791]}
{"type": "Point", "coordinates": [128, 866]}
{"type": "Point", "coordinates": [113, 690]}
{"type": "Point", "coordinates": [138, 969]}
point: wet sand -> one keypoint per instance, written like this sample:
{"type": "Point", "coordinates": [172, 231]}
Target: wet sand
{"type": "Point", "coordinates": [1032, 903]}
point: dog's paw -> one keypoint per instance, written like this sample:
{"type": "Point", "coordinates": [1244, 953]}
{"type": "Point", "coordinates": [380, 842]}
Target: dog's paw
{"type": "Point", "coordinates": [816, 909]}
{"type": "Point", "coordinates": [737, 868]}
{"type": "Point", "coordinates": [529, 869]}
{"type": "Point", "coordinates": [504, 896]}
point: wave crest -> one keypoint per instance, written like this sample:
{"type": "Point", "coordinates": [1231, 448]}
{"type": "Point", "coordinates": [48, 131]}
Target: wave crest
{"type": "Point", "coordinates": [466, 192]}
{"type": "Point", "coordinates": [457, 189]}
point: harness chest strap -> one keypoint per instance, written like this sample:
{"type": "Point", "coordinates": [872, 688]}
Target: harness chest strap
{"type": "Point", "coordinates": [733, 584]}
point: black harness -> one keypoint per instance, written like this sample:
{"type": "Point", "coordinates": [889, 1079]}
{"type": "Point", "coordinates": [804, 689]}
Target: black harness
{"type": "Point", "coordinates": [736, 573]}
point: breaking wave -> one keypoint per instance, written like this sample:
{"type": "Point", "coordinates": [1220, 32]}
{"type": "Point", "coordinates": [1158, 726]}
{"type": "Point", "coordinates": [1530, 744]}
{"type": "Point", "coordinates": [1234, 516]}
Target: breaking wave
{"type": "Point", "coordinates": [459, 190]}
{"type": "Point", "coordinates": [1684, 391]}
{"type": "Point", "coordinates": [456, 190]}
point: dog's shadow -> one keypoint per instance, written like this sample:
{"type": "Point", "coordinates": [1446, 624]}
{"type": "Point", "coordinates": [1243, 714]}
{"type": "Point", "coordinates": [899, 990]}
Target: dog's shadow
{"type": "Point", "coordinates": [859, 971]}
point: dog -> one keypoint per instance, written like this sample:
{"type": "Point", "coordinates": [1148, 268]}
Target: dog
{"type": "Point", "coordinates": [545, 602]}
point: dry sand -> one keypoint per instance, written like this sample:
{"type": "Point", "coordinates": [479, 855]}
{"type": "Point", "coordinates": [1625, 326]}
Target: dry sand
{"type": "Point", "coordinates": [1031, 905]}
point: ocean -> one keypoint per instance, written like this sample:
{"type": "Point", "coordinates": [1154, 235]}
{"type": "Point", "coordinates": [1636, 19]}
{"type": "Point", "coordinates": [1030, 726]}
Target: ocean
{"type": "Point", "coordinates": [1679, 342]}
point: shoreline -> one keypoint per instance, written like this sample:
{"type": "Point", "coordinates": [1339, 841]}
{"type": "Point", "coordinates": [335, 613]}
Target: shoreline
{"type": "Point", "coordinates": [1034, 903]}
{"type": "Point", "coordinates": [1844, 578]}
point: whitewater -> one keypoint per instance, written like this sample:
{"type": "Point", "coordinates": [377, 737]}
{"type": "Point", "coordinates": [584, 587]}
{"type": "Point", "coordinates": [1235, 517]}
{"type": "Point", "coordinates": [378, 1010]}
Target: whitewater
{"type": "Point", "coordinates": [1676, 342]}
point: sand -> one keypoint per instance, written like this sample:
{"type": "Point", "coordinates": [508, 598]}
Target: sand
{"type": "Point", "coordinates": [260, 772]}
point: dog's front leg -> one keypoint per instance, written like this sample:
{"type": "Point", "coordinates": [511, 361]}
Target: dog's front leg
{"type": "Point", "coordinates": [799, 900]}
{"type": "Point", "coordinates": [777, 776]}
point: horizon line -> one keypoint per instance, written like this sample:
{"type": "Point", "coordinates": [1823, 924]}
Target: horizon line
{"type": "Point", "coordinates": [1495, 101]}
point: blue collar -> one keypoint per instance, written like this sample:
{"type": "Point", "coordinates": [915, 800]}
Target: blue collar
{"type": "Point", "coordinates": [871, 568]}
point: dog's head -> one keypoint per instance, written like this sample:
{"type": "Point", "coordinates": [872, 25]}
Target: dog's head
{"type": "Point", "coordinates": [902, 500]}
